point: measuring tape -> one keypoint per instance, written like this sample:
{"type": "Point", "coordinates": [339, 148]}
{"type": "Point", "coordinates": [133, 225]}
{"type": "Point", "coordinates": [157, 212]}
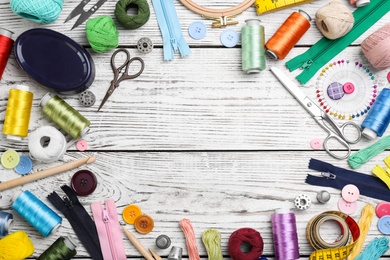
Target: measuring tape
{"type": "Point", "coordinates": [338, 249]}
{"type": "Point", "coordinates": [263, 6]}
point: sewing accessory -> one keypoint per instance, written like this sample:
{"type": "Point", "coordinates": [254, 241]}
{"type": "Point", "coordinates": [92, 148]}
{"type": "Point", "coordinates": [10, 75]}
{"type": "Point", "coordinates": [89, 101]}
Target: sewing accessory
{"type": "Point", "coordinates": [325, 50]}
{"type": "Point", "coordinates": [65, 116]}
{"type": "Point", "coordinates": [375, 249]}
{"type": "Point", "coordinates": [84, 15]}
{"type": "Point", "coordinates": [347, 207]}
{"type": "Point", "coordinates": [229, 38]}
{"type": "Point", "coordinates": [125, 75]}
{"type": "Point", "coordinates": [132, 22]}
{"type": "Point", "coordinates": [302, 202]}
{"type": "Point", "coordinates": [137, 244]}
{"type": "Point", "coordinates": [10, 159]}
{"type": "Point", "coordinates": [37, 51]}
{"type": "Point", "coordinates": [189, 233]}
{"type": "Point", "coordinates": [82, 145]}
{"type": "Point", "coordinates": [87, 98]}
{"type": "Point", "coordinates": [102, 34]}
{"type": "Point", "coordinates": [384, 225]}
{"type": "Point", "coordinates": [359, 3]}
{"type": "Point", "coordinates": [17, 114]}
{"type": "Point", "coordinates": [323, 196]}
{"type": "Point", "coordinates": [155, 255]}
{"type": "Point", "coordinates": [62, 249]}
{"type": "Point", "coordinates": [163, 242]}
{"type": "Point", "coordinates": [6, 223]}
{"type": "Point", "coordinates": [285, 236]}
{"type": "Point", "coordinates": [16, 246]}
{"type": "Point", "coordinates": [382, 209]}
{"type": "Point", "coordinates": [337, 249]}
{"type": "Point", "coordinates": [376, 48]}
{"type": "Point", "coordinates": [41, 11]}
{"type": "Point", "coordinates": [83, 182]}
{"type": "Point", "coordinates": [316, 144]}
{"type": "Point", "coordinates": [364, 155]}
{"type": "Point", "coordinates": [197, 30]}
{"type": "Point", "coordinates": [251, 242]}
{"type": "Point", "coordinates": [175, 253]}
{"type": "Point", "coordinates": [46, 173]}
{"type": "Point", "coordinates": [252, 47]}
{"type": "Point", "coordinates": [6, 44]}
{"type": "Point", "coordinates": [335, 132]}
{"type": "Point", "coordinates": [288, 34]}
{"type": "Point", "coordinates": [145, 45]}
{"type": "Point", "coordinates": [24, 166]}
{"type": "Point", "coordinates": [130, 213]}
{"type": "Point", "coordinates": [264, 6]}
{"type": "Point", "coordinates": [383, 173]}
{"type": "Point", "coordinates": [211, 239]}
{"type": "Point", "coordinates": [350, 193]}
{"type": "Point", "coordinates": [37, 213]}
{"type": "Point", "coordinates": [144, 224]}
{"type": "Point", "coordinates": [346, 90]}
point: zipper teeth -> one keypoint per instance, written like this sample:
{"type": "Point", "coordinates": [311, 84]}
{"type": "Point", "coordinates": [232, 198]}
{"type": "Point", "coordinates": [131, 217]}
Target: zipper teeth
{"type": "Point", "coordinates": [165, 12]}
{"type": "Point", "coordinates": [109, 235]}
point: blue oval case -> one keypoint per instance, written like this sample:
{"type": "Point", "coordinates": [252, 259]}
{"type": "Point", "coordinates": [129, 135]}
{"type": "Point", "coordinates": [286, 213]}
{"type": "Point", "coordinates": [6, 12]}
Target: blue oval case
{"type": "Point", "coordinates": [54, 60]}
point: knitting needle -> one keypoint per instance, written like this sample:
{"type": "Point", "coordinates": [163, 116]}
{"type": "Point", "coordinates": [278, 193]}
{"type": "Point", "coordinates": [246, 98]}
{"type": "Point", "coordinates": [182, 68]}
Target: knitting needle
{"type": "Point", "coordinates": [46, 173]}
{"type": "Point", "coordinates": [138, 244]}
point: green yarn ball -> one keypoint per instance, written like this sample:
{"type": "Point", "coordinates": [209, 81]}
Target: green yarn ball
{"type": "Point", "coordinates": [132, 22]}
{"type": "Point", "coordinates": [102, 34]}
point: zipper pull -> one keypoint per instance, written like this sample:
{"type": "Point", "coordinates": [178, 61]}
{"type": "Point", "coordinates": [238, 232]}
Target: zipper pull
{"type": "Point", "coordinates": [68, 202]}
{"type": "Point", "coordinates": [328, 175]}
{"type": "Point", "coordinates": [306, 65]}
{"type": "Point", "coordinates": [174, 44]}
{"type": "Point", "coordinates": [105, 216]}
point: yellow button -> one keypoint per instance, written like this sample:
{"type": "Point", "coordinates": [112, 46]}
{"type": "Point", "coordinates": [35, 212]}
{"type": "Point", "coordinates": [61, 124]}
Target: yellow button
{"type": "Point", "coordinates": [10, 159]}
{"type": "Point", "coordinates": [130, 213]}
{"type": "Point", "coordinates": [144, 224]}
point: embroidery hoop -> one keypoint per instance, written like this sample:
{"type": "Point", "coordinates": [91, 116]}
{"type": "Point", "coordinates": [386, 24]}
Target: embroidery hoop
{"type": "Point", "coordinates": [220, 15]}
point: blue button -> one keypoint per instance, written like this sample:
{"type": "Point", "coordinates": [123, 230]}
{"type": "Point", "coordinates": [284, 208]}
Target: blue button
{"type": "Point", "coordinates": [197, 30]}
{"type": "Point", "coordinates": [229, 38]}
{"type": "Point", "coordinates": [384, 225]}
{"type": "Point", "coordinates": [24, 166]}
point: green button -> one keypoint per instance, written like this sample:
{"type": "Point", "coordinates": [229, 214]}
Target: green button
{"type": "Point", "coordinates": [10, 159]}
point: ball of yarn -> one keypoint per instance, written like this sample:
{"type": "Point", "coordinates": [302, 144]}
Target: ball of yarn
{"type": "Point", "coordinates": [40, 11]}
{"type": "Point", "coordinates": [249, 239]}
{"type": "Point", "coordinates": [16, 246]}
{"type": "Point", "coordinates": [376, 48]}
{"type": "Point", "coordinates": [334, 20]}
{"type": "Point", "coordinates": [102, 33]}
{"type": "Point", "coordinates": [132, 22]}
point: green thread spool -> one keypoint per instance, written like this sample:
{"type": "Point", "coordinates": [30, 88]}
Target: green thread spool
{"type": "Point", "coordinates": [252, 47]}
{"type": "Point", "coordinates": [102, 33]}
{"type": "Point", "coordinates": [62, 249]}
{"type": "Point", "coordinates": [136, 21]}
{"type": "Point", "coordinates": [65, 116]}
{"type": "Point", "coordinates": [212, 241]}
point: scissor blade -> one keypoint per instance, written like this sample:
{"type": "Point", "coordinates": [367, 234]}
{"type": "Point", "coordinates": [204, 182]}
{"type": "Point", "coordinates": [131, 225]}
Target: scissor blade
{"type": "Point", "coordinates": [77, 10]}
{"type": "Point", "coordinates": [85, 15]}
{"type": "Point", "coordinates": [288, 84]}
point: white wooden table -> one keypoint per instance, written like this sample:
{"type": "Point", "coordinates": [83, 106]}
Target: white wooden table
{"type": "Point", "coordinates": [191, 138]}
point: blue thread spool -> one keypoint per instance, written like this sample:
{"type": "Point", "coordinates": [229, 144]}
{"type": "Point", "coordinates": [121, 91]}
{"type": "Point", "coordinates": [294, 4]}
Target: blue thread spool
{"type": "Point", "coordinates": [35, 212]}
{"type": "Point", "coordinates": [378, 118]}
{"type": "Point", "coordinates": [5, 223]}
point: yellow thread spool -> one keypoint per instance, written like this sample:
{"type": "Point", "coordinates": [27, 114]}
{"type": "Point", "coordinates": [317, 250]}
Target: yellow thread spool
{"type": "Point", "coordinates": [17, 114]}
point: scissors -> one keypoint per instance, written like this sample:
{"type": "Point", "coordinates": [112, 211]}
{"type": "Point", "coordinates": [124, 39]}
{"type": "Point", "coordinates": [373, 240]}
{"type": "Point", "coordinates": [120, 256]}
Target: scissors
{"type": "Point", "coordinates": [84, 15]}
{"type": "Point", "coordinates": [125, 75]}
{"type": "Point", "coordinates": [323, 119]}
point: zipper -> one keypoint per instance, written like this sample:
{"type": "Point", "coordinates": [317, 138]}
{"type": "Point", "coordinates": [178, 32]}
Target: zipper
{"type": "Point", "coordinates": [172, 38]}
{"type": "Point", "coordinates": [311, 64]}
{"type": "Point", "coordinates": [335, 177]}
{"type": "Point", "coordinates": [106, 219]}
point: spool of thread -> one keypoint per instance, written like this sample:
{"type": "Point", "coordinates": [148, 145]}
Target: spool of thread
{"type": "Point", "coordinates": [65, 116]}
{"type": "Point", "coordinates": [245, 243]}
{"type": "Point", "coordinates": [17, 114]}
{"type": "Point", "coordinates": [288, 34]}
{"type": "Point", "coordinates": [285, 235]}
{"type": "Point", "coordinates": [37, 213]}
{"type": "Point", "coordinates": [188, 230]}
{"type": "Point", "coordinates": [6, 44]}
{"type": "Point", "coordinates": [378, 118]}
{"type": "Point", "coordinates": [102, 33]}
{"type": "Point", "coordinates": [40, 11]}
{"type": "Point", "coordinates": [376, 48]}
{"type": "Point", "coordinates": [132, 22]}
{"type": "Point", "coordinates": [16, 246]}
{"type": "Point", "coordinates": [212, 241]}
{"type": "Point", "coordinates": [47, 144]}
{"type": "Point", "coordinates": [252, 47]}
{"type": "Point", "coordinates": [334, 20]}
{"type": "Point", "coordinates": [62, 249]}
{"type": "Point", "coordinates": [6, 221]}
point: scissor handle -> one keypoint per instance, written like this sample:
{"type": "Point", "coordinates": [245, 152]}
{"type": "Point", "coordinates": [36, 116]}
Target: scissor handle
{"type": "Point", "coordinates": [132, 76]}
{"type": "Point", "coordinates": [345, 137]}
{"type": "Point", "coordinates": [341, 141]}
{"type": "Point", "coordinates": [116, 69]}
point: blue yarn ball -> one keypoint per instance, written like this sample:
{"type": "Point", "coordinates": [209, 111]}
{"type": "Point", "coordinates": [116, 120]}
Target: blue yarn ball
{"type": "Point", "coordinates": [40, 11]}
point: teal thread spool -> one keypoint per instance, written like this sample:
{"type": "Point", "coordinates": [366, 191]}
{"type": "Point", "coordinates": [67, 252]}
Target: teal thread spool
{"type": "Point", "coordinates": [62, 249]}
{"type": "Point", "coordinates": [65, 116]}
{"type": "Point", "coordinates": [252, 47]}
{"type": "Point", "coordinates": [40, 11]}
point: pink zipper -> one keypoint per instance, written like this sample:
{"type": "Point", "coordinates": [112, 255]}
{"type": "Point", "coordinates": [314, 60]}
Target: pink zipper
{"type": "Point", "coordinates": [109, 231]}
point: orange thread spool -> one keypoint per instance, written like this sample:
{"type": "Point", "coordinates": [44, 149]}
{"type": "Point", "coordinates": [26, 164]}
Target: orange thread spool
{"type": "Point", "coordinates": [288, 34]}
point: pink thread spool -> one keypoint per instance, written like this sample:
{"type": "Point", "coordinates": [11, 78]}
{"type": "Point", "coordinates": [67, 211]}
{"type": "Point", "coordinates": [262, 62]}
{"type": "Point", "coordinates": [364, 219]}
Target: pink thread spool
{"type": "Point", "coordinates": [376, 48]}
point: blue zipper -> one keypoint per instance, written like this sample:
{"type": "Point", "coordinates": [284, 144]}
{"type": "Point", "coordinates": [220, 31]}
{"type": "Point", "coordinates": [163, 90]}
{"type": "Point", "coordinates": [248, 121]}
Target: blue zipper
{"type": "Point", "coordinates": [335, 177]}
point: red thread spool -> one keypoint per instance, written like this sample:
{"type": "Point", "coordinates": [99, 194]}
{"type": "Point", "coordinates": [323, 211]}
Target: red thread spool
{"type": "Point", "coordinates": [6, 44]}
{"type": "Point", "coordinates": [245, 243]}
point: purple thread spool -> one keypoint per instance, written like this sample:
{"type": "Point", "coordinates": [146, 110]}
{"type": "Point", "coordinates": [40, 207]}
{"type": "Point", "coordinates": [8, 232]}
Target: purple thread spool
{"type": "Point", "coordinates": [284, 231]}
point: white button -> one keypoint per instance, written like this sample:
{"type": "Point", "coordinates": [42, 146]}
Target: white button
{"type": "Point", "coordinates": [197, 30]}
{"type": "Point", "coordinates": [229, 38]}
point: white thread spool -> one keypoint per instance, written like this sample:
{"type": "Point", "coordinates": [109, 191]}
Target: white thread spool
{"type": "Point", "coordinates": [47, 144]}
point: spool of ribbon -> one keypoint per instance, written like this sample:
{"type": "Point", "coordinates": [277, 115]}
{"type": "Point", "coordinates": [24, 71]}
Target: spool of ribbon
{"type": "Point", "coordinates": [62, 249]}
{"type": "Point", "coordinates": [6, 44]}
{"type": "Point", "coordinates": [5, 223]}
{"type": "Point", "coordinates": [248, 239]}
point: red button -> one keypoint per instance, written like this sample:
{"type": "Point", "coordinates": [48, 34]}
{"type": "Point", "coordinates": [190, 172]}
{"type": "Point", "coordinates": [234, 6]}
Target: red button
{"type": "Point", "coordinates": [84, 182]}
{"type": "Point", "coordinates": [347, 207]}
{"type": "Point", "coordinates": [382, 209]}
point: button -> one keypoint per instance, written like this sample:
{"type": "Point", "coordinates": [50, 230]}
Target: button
{"type": "Point", "coordinates": [10, 159]}
{"type": "Point", "coordinates": [144, 224]}
{"type": "Point", "coordinates": [316, 144]}
{"type": "Point", "coordinates": [348, 88]}
{"type": "Point", "coordinates": [87, 98]}
{"type": "Point", "coordinates": [163, 241]}
{"type": "Point", "coordinates": [384, 225]}
{"type": "Point", "coordinates": [388, 77]}
{"type": "Point", "coordinates": [130, 213]}
{"type": "Point", "coordinates": [83, 182]}
{"type": "Point", "coordinates": [81, 145]}
{"type": "Point", "coordinates": [382, 209]}
{"type": "Point", "coordinates": [350, 193]}
{"type": "Point", "coordinates": [347, 207]}
{"type": "Point", "coordinates": [335, 91]}
{"type": "Point", "coordinates": [197, 30]}
{"type": "Point", "coordinates": [24, 166]}
{"type": "Point", "coordinates": [229, 38]}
